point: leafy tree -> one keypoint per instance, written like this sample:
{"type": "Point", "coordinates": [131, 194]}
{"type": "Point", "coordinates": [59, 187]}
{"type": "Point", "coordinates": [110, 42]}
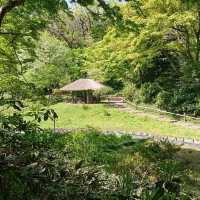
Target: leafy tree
{"type": "Point", "coordinates": [73, 30]}
{"type": "Point", "coordinates": [56, 64]}
{"type": "Point", "coordinates": [161, 56]}
{"type": "Point", "coordinates": [20, 24]}
{"type": "Point", "coordinates": [50, 66]}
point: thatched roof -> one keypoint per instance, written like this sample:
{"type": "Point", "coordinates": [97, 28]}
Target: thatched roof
{"type": "Point", "coordinates": [82, 85]}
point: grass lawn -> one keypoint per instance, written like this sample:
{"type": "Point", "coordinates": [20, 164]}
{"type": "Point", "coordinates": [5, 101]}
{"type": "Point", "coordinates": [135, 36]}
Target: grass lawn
{"type": "Point", "coordinates": [107, 118]}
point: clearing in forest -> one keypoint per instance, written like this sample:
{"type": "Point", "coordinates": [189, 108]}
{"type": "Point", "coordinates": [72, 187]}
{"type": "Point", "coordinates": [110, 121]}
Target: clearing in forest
{"type": "Point", "coordinates": [107, 118]}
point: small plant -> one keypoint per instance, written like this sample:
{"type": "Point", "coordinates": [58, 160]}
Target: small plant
{"type": "Point", "coordinates": [85, 107]}
{"type": "Point", "coordinates": [106, 113]}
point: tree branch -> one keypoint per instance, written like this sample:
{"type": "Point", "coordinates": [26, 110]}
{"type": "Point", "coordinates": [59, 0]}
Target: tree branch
{"type": "Point", "coordinates": [7, 7]}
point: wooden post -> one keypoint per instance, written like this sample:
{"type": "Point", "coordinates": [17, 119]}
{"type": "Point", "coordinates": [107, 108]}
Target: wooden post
{"type": "Point", "coordinates": [185, 117]}
{"type": "Point", "coordinates": [73, 97]}
{"type": "Point", "coordinates": [87, 96]}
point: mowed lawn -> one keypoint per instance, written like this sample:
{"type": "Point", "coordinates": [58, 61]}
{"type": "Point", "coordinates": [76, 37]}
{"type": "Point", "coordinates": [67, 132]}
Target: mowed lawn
{"type": "Point", "coordinates": [108, 118]}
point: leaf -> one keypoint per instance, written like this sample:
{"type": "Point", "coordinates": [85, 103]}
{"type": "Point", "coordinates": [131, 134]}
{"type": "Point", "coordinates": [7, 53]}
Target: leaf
{"type": "Point", "coordinates": [55, 116]}
{"type": "Point", "coordinates": [39, 119]}
{"type": "Point", "coordinates": [18, 105]}
{"type": "Point", "coordinates": [46, 115]}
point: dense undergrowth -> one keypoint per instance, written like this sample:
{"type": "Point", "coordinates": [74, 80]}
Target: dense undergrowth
{"type": "Point", "coordinates": [88, 165]}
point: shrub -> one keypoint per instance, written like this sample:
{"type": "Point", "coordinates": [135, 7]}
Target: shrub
{"type": "Point", "coordinates": [179, 101]}
{"type": "Point", "coordinates": [148, 92]}
{"type": "Point", "coordinates": [100, 94]}
{"type": "Point", "coordinates": [85, 107]}
{"type": "Point", "coordinates": [145, 94]}
{"type": "Point", "coordinates": [130, 92]}
{"type": "Point", "coordinates": [32, 167]}
{"type": "Point", "coordinates": [163, 100]}
{"type": "Point", "coordinates": [106, 113]}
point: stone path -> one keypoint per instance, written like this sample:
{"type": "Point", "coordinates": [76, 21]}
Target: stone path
{"type": "Point", "coordinates": [187, 143]}
{"type": "Point", "coordinates": [118, 102]}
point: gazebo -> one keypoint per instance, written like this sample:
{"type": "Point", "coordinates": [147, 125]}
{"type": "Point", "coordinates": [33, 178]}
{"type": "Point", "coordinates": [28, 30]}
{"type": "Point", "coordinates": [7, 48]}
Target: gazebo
{"type": "Point", "coordinates": [86, 85]}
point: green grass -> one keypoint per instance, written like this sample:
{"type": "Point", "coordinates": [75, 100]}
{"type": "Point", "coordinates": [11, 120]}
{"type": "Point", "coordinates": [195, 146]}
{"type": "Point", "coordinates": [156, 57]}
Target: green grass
{"type": "Point", "coordinates": [106, 118]}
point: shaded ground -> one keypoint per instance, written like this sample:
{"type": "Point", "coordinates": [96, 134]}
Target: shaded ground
{"type": "Point", "coordinates": [191, 161]}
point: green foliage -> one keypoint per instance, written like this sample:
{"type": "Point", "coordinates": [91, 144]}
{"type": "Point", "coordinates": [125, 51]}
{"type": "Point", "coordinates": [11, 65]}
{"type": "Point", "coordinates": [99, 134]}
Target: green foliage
{"type": "Point", "coordinates": [161, 57]}
{"type": "Point", "coordinates": [149, 48]}
{"type": "Point", "coordinates": [56, 64]}
{"type": "Point", "coordinates": [103, 92]}
{"type": "Point", "coordinates": [17, 123]}
{"type": "Point", "coordinates": [38, 168]}
{"type": "Point", "coordinates": [110, 67]}
{"type": "Point", "coordinates": [130, 92]}
{"type": "Point", "coordinates": [20, 121]}
{"type": "Point", "coordinates": [148, 92]}
{"type": "Point", "coordinates": [50, 68]}
{"type": "Point", "coordinates": [51, 166]}
{"type": "Point", "coordinates": [184, 100]}
{"type": "Point", "coordinates": [85, 107]}
{"type": "Point", "coordinates": [20, 28]}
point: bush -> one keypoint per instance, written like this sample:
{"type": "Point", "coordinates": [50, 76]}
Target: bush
{"type": "Point", "coordinates": [130, 92]}
{"type": "Point", "coordinates": [102, 92]}
{"type": "Point", "coordinates": [85, 107]}
{"type": "Point", "coordinates": [35, 167]}
{"type": "Point", "coordinates": [163, 100]}
{"type": "Point", "coordinates": [148, 92]}
{"type": "Point", "coordinates": [179, 101]}
{"type": "Point", "coordinates": [17, 123]}
{"type": "Point", "coordinates": [145, 94]}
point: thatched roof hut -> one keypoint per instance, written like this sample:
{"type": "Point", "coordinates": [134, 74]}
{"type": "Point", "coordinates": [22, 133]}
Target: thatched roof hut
{"type": "Point", "coordinates": [83, 85]}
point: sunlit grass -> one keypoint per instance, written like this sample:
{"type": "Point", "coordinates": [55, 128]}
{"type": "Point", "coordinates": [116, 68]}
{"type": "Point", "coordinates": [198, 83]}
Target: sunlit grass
{"type": "Point", "coordinates": [107, 118]}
